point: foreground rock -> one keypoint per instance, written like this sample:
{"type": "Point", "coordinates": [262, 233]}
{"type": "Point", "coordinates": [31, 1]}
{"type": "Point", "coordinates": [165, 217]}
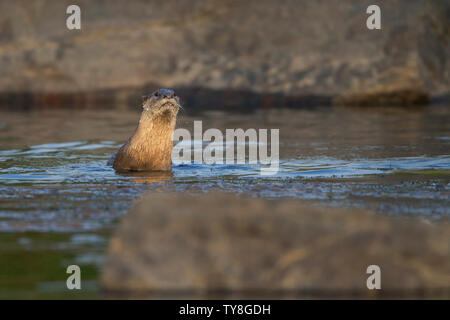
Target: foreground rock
{"type": "Point", "coordinates": [237, 53]}
{"type": "Point", "coordinates": [219, 245]}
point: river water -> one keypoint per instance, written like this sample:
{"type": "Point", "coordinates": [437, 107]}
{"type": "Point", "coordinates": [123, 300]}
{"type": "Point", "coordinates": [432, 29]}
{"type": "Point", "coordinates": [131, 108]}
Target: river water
{"type": "Point", "coordinates": [60, 202]}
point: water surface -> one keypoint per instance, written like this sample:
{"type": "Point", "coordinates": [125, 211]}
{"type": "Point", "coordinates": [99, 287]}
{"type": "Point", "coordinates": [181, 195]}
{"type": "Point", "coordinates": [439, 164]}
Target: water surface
{"type": "Point", "coordinates": [59, 201]}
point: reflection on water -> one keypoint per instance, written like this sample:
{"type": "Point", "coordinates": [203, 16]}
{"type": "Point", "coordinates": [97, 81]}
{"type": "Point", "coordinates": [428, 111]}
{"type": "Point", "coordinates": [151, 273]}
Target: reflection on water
{"type": "Point", "coordinates": [54, 179]}
{"type": "Point", "coordinates": [51, 185]}
{"type": "Point", "coordinates": [61, 163]}
{"type": "Point", "coordinates": [147, 177]}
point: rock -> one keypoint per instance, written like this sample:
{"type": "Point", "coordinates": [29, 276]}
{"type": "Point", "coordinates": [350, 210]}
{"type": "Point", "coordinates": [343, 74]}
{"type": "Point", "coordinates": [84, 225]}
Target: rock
{"type": "Point", "coordinates": [221, 245]}
{"type": "Point", "coordinates": [245, 50]}
{"type": "Point", "coordinates": [307, 51]}
{"type": "Point", "coordinates": [434, 47]}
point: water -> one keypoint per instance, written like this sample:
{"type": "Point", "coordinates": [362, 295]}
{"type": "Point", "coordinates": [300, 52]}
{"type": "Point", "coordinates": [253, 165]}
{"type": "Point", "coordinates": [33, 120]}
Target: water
{"type": "Point", "coordinates": [59, 201]}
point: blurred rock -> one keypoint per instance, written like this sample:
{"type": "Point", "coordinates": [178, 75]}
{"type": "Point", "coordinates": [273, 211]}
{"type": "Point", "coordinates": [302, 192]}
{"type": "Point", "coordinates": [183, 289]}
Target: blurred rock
{"type": "Point", "coordinates": [221, 245]}
{"type": "Point", "coordinates": [314, 52]}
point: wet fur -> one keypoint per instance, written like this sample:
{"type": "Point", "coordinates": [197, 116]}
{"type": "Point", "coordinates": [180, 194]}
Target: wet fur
{"type": "Point", "coordinates": [150, 147]}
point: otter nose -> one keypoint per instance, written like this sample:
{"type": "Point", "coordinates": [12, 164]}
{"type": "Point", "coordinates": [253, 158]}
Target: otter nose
{"type": "Point", "coordinates": [165, 93]}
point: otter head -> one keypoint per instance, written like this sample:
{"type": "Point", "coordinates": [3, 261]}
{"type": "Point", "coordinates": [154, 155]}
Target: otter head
{"type": "Point", "coordinates": [163, 104]}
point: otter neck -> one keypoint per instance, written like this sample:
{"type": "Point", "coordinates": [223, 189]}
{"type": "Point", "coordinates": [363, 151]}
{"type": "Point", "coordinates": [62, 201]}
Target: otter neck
{"type": "Point", "coordinates": [152, 142]}
{"type": "Point", "coordinates": [154, 133]}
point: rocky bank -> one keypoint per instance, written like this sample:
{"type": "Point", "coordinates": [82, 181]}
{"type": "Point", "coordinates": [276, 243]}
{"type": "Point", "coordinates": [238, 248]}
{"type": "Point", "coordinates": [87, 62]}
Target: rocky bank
{"type": "Point", "coordinates": [226, 53]}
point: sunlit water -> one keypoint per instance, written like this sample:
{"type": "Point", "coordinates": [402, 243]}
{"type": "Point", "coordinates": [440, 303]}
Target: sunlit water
{"type": "Point", "coordinates": [59, 201]}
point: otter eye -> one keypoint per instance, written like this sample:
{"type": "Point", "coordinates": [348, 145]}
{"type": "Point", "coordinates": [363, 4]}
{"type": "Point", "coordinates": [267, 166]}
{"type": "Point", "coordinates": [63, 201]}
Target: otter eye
{"type": "Point", "coordinates": [157, 94]}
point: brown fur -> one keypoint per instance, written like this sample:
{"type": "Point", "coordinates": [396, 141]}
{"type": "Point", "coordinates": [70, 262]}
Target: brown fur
{"type": "Point", "coordinates": [150, 147]}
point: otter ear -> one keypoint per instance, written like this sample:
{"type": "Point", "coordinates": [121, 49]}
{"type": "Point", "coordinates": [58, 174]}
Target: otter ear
{"type": "Point", "coordinates": [144, 98]}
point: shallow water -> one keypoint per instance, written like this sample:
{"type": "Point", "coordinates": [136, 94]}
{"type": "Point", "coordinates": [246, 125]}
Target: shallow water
{"type": "Point", "coordinates": [59, 201]}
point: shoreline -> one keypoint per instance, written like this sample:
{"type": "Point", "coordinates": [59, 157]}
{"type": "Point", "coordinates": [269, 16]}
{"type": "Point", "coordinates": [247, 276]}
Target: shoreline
{"type": "Point", "coordinates": [203, 98]}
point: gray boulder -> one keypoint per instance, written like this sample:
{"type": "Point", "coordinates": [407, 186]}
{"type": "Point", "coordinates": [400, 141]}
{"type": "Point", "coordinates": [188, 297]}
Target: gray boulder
{"type": "Point", "coordinates": [221, 245]}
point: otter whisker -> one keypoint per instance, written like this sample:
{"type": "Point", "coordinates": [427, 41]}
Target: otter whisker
{"type": "Point", "coordinates": [179, 107]}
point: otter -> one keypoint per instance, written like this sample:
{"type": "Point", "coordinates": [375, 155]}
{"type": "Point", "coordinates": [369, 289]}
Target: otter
{"type": "Point", "coordinates": [150, 147]}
